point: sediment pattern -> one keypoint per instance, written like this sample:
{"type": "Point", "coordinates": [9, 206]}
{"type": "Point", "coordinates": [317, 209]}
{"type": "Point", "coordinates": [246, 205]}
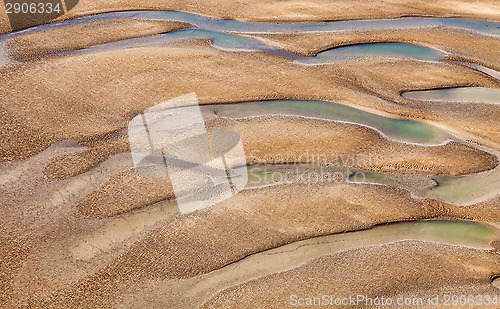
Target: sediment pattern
{"type": "Point", "coordinates": [334, 204]}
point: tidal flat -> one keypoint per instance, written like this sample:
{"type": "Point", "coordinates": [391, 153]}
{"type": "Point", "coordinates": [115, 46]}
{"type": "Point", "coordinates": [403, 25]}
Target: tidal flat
{"type": "Point", "coordinates": [368, 138]}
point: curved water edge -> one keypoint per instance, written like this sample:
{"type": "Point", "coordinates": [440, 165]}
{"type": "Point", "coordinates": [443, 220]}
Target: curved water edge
{"type": "Point", "coordinates": [409, 131]}
{"type": "Point", "coordinates": [222, 34]}
{"type": "Point", "coordinates": [460, 191]}
{"type": "Point", "coordinates": [464, 190]}
{"type": "Point", "coordinates": [238, 43]}
{"type": "Point", "coordinates": [353, 52]}
{"type": "Point", "coordinates": [488, 71]}
{"type": "Point", "coordinates": [496, 282]}
{"type": "Point", "coordinates": [460, 233]}
{"type": "Point", "coordinates": [266, 175]}
{"type": "Point", "coordinates": [116, 233]}
{"type": "Point", "coordinates": [296, 254]}
{"type": "Point", "coordinates": [468, 189]}
{"type": "Point", "coordinates": [459, 94]}
{"type": "Point", "coordinates": [225, 25]}
{"type": "Point", "coordinates": [457, 190]}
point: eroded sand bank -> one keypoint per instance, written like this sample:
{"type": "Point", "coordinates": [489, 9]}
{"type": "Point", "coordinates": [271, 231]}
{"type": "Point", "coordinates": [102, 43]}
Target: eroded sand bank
{"type": "Point", "coordinates": [82, 229]}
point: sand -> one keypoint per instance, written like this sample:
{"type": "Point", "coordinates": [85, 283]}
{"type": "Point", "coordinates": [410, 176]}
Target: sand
{"type": "Point", "coordinates": [288, 140]}
{"type": "Point", "coordinates": [82, 229]}
{"type": "Point", "coordinates": [123, 193]}
{"type": "Point", "coordinates": [4, 21]}
{"type": "Point", "coordinates": [104, 100]}
{"type": "Point", "coordinates": [296, 10]}
{"type": "Point", "coordinates": [57, 40]}
{"type": "Point", "coordinates": [274, 140]}
{"type": "Point", "coordinates": [390, 274]}
{"type": "Point", "coordinates": [454, 42]}
{"type": "Point", "coordinates": [251, 222]}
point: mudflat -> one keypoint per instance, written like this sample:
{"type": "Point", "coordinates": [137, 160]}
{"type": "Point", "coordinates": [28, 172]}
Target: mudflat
{"type": "Point", "coordinates": [333, 205]}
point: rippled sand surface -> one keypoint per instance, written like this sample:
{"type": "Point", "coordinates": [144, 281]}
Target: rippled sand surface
{"type": "Point", "coordinates": [351, 186]}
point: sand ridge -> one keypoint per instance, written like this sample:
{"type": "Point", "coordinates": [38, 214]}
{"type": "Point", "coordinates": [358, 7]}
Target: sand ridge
{"type": "Point", "coordinates": [294, 11]}
{"type": "Point", "coordinates": [82, 229]}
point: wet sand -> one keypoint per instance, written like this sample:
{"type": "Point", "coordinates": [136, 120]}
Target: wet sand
{"type": "Point", "coordinates": [107, 101]}
{"type": "Point", "coordinates": [298, 11]}
{"type": "Point", "coordinates": [82, 229]}
{"type": "Point", "coordinates": [57, 40]}
{"type": "Point", "coordinates": [454, 42]}
{"type": "Point", "coordinates": [346, 274]}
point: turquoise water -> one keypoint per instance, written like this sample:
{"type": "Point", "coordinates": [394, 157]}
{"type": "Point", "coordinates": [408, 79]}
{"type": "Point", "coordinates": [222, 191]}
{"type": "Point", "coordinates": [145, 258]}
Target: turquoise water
{"type": "Point", "coordinates": [466, 190]}
{"type": "Point", "coordinates": [206, 23]}
{"type": "Point", "coordinates": [220, 39]}
{"type": "Point", "coordinates": [403, 130]}
{"type": "Point", "coordinates": [226, 34]}
{"type": "Point", "coordinates": [230, 41]}
{"type": "Point", "coordinates": [454, 231]}
{"type": "Point", "coordinates": [465, 94]}
{"type": "Point", "coordinates": [457, 190]}
{"type": "Point", "coordinates": [378, 49]}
